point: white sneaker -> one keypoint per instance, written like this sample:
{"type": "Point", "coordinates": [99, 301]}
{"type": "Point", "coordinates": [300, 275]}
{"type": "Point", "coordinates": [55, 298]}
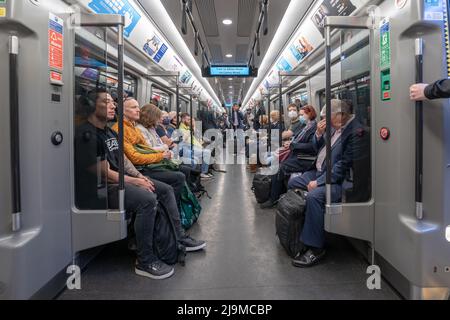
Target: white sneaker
{"type": "Point", "coordinates": [206, 176]}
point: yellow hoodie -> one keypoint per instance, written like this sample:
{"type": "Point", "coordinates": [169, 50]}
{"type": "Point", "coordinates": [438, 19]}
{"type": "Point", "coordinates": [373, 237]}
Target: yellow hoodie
{"type": "Point", "coordinates": [131, 137]}
{"type": "Point", "coordinates": [186, 131]}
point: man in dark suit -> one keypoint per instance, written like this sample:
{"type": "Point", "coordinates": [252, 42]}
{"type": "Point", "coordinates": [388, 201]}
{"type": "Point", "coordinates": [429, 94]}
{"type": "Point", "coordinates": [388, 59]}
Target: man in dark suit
{"type": "Point", "coordinates": [237, 118]}
{"type": "Point", "coordinates": [259, 111]}
{"type": "Point", "coordinates": [349, 143]}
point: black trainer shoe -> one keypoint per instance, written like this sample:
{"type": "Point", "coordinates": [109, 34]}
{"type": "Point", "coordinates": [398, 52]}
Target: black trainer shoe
{"type": "Point", "coordinates": [268, 204]}
{"type": "Point", "coordinates": [157, 270]}
{"type": "Point", "coordinates": [309, 258]}
{"type": "Point", "coordinates": [192, 244]}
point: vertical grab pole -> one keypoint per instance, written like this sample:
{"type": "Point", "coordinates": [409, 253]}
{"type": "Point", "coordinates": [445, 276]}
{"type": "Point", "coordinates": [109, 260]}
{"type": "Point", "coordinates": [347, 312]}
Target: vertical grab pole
{"type": "Point", "coordinates": [178, 100]}
{"type": "Point", "coordinates": [192, 129]}
{"type": "Point", "coordinates": [280, 105]}
{"type": "Point", "coordinates": [419, 131]}
{"type": "Point", "coordinates": [120, 71]}
{"type": "Point", "coordinates": [269, 134]}
{"type": "Point", "coordinates": [328, 111]}
{"type": "Point", "coordinates": [14, 132]}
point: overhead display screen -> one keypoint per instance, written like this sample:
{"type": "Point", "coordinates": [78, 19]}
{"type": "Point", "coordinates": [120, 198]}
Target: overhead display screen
{"type": "Point", "coordinates": [230, 71]}
{"type": "Point", "coordinates": [226, 71]}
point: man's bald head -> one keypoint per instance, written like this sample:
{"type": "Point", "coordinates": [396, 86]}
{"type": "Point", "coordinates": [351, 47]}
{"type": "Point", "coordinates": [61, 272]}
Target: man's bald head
{"type": "Point", "coordinates": [131, 110]}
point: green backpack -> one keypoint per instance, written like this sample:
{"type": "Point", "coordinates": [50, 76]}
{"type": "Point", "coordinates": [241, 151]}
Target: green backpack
{"type": "Point", "coordinates": [190, 208]}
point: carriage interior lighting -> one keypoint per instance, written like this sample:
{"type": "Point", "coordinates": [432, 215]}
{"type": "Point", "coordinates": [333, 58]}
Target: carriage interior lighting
{"type": "Point", "coordinates": [227, 22]}
{"type": "Point", "coordinates": [447, 233]}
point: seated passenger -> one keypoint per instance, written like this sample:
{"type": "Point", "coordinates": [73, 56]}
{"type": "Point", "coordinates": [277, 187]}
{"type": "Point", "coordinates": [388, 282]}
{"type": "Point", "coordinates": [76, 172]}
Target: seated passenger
{"type": "Point", "coordinates": [94, 140]}
{"type": "Point", "coordinates": [201, 154]}
{"type": "Point", "coordinates": [133, 137]}
{"type": "Point", "coordinates": [275, 123]}
{"type": "Point", "coordinates": [161, 129]}
{"type": "Point", "coordinates": [301, 147]}
{"type": "Point", "coordinates": [172, 126]}
{"type": "Point", "coordinates": [296, 125]}
{"type": "Point", "coordinates": [148, 123]}
{"type": "Point", "coordinates": [347, 145]}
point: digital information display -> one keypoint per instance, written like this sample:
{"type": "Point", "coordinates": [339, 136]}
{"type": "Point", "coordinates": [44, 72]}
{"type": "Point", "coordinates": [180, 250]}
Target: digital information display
{"type": "Point", "coordinates": [226, 71]}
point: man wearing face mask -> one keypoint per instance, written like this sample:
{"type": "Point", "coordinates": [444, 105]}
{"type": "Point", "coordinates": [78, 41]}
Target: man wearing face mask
{"type": "Point", "coordinates": [297, 122]}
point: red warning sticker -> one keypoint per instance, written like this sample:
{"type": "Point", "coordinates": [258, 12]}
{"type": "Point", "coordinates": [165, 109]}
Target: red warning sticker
{"type": "Point", "coordinates": [55, 76]}
{"type": "Point", "coordinates": [55, 42]}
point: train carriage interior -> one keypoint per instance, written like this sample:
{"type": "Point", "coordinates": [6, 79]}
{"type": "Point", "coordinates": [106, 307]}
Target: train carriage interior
{"type": "Point", "coordinates": [225, 150]}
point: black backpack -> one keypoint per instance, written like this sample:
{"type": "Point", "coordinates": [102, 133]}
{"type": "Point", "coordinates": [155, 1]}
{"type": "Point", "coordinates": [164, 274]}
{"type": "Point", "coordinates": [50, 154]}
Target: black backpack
{"type": "Point", "coordinates": [289, 220]}
{"type": "Point", "coordinates": [261, 187]}
{"type": "Point", "coordinates": [165, 240]}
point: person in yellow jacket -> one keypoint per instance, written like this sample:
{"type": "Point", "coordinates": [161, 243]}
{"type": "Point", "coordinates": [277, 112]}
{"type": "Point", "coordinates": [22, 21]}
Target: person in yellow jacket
{"type": "Point", "coordinates": [133, 137]}
{"type": "Point", "coordinates": [201, 154]}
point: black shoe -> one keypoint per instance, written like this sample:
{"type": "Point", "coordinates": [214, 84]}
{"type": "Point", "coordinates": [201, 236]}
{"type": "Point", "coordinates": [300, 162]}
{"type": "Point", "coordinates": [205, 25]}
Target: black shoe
{"type": "Point", "coordinates": [309, 258]}
{"type": "Point", "coordinates": [157, 270]}
{"type": "Point", "coordinates": [192, 244]}
{"type": "Point", "coordinates": [268, 204]}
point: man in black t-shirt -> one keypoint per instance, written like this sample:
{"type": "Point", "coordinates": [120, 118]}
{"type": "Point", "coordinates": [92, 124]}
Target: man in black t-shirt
{"type": "Point", "coordinates": [97, 150]}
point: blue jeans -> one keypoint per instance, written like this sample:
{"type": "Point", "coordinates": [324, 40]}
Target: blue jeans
{"type": "Point", "coordinates": [201, 155]}
{"type": "Point", "coordinates": [313, 233]}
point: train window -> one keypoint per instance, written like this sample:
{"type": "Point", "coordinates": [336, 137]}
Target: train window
{"type": "Point", "coordinates": [161, 99]}
{"type": "Point", "coordinates": [92, 76]}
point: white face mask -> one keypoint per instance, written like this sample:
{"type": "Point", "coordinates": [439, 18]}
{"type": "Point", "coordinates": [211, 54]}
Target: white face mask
{"type": "Point", "coordinates": [292, 114]}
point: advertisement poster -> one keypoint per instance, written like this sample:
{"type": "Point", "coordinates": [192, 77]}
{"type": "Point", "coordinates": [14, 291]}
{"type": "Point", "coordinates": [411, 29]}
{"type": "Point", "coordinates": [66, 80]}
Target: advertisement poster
{"type": "Point", "coordinates": [332, 8]}
{"type": "Point", "coordinates": [160, 53]}
{"type": "Point", "coordinates": [283, 65]}
{"type": "Point", "coordinates": [186, 77]}
{"type": "Point", "coordinates": [300, 48]}
{"type": "Point", "coordinates": [122, 7]}
{"type": "Point", "coordinates": [152, 45]}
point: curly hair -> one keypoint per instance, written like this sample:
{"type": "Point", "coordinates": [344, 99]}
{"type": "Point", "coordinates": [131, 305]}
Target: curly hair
{"type": "Point", "coordinates": [150, 115]}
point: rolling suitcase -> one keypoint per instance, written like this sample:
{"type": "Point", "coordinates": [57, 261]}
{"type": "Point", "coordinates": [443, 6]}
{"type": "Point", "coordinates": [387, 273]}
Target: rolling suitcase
{"type": "Point", "coordinates": [289, 220]}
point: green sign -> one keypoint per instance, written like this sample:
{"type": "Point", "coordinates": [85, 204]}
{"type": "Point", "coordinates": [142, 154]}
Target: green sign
{"type": "Point", "coordinates": [385, 44]}
{"type": "Point", "coordinates": [2, 1]}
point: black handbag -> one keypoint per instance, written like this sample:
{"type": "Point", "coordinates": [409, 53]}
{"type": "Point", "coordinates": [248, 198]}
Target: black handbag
{"type": "Point", "coordinates": [261, 187]}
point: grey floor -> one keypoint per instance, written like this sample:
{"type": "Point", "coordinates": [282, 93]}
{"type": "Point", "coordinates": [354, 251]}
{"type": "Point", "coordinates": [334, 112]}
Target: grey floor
{"type": "Point", "coordinates": [243, 259]}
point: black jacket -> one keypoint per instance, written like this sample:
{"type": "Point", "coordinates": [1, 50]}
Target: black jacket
{"type": "Point", "coordinates": [439, 89]}
{"type": "Point", "coordinates": [303, 142]}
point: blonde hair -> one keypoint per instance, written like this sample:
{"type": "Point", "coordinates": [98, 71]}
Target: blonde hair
{"type": "Point", "coordinates": [150, 115]}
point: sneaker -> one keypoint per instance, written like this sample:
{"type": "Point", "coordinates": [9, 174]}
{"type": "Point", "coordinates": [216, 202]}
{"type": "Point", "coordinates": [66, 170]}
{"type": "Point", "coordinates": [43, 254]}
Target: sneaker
{"type": "Point", "coordinates": [157, 270]}
{"type": "Point", "coordinates": [192, 244]}
{"type": "Point", "coordinates": [268, 204]}
{"type": "Point", "coordinates": [206, 176]}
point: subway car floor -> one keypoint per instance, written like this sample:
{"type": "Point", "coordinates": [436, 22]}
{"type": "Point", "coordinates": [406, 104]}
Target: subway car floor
{"type": "Point", "coordinates": [243, 259]}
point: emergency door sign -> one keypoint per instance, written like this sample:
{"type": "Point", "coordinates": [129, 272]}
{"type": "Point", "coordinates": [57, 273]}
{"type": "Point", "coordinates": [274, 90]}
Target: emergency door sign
{"type": "Point", "coordinates": [55, 42]}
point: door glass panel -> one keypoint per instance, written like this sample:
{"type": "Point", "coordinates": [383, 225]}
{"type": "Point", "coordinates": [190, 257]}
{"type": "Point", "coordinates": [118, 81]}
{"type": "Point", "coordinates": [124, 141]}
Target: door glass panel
{"type": "Point", "coordinates": [354, 91]}
{"type": "Point", "coordinates": [92, 76]}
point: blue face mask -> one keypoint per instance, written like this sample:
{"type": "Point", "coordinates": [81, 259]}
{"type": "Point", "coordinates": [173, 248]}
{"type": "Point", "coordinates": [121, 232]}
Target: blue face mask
{"type": "Point", "coordinates": [166, 121]}
{"type": "Point", "coordinates": [302, 119]}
